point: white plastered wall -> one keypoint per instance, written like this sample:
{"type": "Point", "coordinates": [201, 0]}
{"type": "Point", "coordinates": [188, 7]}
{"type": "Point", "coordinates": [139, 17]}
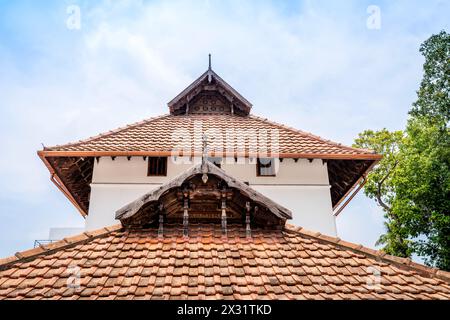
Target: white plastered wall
{"type": "Point", "coordinates": [300, 186]}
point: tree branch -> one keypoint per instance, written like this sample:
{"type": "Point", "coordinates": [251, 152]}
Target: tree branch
{"type": "Point", "coordinates": [380, 184]}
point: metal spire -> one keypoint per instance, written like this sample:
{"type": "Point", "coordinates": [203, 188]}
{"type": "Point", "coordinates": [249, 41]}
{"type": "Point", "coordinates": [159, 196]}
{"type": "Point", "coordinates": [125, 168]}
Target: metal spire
{"type": "Point", "coordinates": [209, 66]}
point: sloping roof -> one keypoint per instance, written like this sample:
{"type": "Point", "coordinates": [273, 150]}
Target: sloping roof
{"type": "Point", "coordinates": [291, 263]}
{"type": "Point", "coordinates": [131, 209]}
{"type": "Point", "coordinates": [155, 135]}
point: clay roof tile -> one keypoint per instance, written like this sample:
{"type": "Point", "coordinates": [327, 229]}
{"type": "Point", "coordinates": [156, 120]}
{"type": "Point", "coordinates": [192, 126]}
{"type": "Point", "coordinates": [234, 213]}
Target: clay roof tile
{"type": "Point", "coordinates": [259, 268]}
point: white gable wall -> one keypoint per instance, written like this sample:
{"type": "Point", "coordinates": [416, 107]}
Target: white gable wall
{"type": "Point", "coordinates": [301, 186]}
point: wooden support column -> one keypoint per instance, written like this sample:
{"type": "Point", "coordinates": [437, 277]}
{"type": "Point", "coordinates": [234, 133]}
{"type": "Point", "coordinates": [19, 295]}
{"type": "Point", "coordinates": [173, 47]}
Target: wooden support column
{"type": "Point", "coordinates": [224, 217]}
{"type": "Point", "coordinates": [161, 226]}
{"type": "Point", "coordinates": [161, 221]}
{"type": "Point", "coordinates": [185, 217]}
{"type": "Point", "coordinates": [248, 230]}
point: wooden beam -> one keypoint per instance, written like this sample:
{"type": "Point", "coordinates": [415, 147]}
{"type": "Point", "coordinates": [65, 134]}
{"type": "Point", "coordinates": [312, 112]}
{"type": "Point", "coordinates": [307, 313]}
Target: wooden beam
{"type": "Point", "coordinates": [224, 216]}
{"type": "Point", "coordinates": [361, 184]}
{"type": "Point", "coordinates": [369, 168]}
{"type": "Point", "coordinates": [161, 221]}
{"type": "Point", "coordinates": [185, 217]}
{"type": "Point", "coordinates": [47, 153]}
{"type": "Point", "coordinates": [248, 230]}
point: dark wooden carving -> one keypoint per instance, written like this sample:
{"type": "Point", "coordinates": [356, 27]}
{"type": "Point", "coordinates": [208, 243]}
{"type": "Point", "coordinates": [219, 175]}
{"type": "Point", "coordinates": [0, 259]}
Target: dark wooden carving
{"type": "Point", "coordinates": [209, 95]}
{"type": "Point", "coordinates": [76, 174]}
{"type": "Point", "coordinates": [209, 103]}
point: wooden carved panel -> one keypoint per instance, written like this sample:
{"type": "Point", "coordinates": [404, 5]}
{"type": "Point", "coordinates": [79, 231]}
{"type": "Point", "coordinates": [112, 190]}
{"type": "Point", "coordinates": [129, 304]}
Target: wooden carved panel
{"type": "Point", "coordinates": [209, 103]}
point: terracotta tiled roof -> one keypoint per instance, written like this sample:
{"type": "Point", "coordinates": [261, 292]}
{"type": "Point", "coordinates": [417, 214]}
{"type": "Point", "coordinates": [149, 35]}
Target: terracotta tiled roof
{"type": "Point", "coordinates": [274, 264]}
{"type": "Point", "coordinates": [155, 135]}
{"type": "Point", "coordinates": [71, 165]}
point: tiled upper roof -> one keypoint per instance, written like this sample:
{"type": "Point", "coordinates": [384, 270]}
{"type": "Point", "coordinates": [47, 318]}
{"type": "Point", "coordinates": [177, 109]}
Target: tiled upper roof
{"type": "Point", "coordinates": [155, 135]}
{"type": "Point", "coordinates": [274, 264]}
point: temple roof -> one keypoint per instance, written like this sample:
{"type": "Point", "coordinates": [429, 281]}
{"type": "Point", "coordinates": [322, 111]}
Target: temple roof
{"type": "Point", "coordinates": [209, 105]}
{"type": "Point", "coordinates": [291, 263]}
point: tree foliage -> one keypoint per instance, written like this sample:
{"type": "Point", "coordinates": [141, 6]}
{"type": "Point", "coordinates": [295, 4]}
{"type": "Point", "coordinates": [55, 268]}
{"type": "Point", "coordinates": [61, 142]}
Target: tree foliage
{"type": "Point", "coordinates": [433, 97]}
{"type": "Point", "coordinates": [412, 182]}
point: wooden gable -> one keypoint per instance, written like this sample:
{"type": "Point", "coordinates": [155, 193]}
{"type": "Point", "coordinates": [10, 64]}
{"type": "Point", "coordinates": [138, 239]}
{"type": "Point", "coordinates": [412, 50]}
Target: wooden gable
{"type": "Point", "coordinates": [209, 94]}
{"type": "Point", "coordinates": [204, 200]}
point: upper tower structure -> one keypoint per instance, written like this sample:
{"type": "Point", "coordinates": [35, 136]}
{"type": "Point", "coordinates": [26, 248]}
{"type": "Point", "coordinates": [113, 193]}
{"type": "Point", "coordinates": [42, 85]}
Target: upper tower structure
{"type": "Point", "coordinates": [312, 177]}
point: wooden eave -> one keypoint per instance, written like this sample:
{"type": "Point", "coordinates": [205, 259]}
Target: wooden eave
{"type": "Point", "coordinates": [51, 153]}
{"type": "Point", "coordinates": [345, 171]}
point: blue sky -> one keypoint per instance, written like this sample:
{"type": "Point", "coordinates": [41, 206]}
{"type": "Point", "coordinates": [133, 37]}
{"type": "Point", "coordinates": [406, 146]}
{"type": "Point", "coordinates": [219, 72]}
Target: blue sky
{"type": "Point", "coordinates": [313, 65]}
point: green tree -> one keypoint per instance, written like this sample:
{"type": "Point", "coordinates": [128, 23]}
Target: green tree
{"type": "Point", "coordinates": [412, 182]}
{"type": "Point", "coordinates": [433, 97]}
{"type": "Point", "coordinates": [380, 186]}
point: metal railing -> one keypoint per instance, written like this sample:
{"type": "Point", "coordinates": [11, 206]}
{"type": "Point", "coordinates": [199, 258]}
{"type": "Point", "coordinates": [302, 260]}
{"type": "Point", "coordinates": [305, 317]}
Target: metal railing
{"type": "Point", "coordinates": [38, 243]}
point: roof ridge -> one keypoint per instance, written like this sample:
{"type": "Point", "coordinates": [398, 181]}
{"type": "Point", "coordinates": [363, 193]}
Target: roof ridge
{"type": "Point", "coordinates": [231, 88]}
{"type": "Point", "coordinates": [107, 133]}
{"type": "Point", "coordinates": [311, 135]}
{"type": "Point", "coordinates": [185, 90]}
{"type": "Point", "coordinates": [58, 245]}
{"type": "Point", "coordinates": [377, 254]}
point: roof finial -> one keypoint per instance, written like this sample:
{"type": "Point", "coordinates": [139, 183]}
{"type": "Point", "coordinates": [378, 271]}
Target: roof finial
{"type": "Point", "coordinates": [209, 66]}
